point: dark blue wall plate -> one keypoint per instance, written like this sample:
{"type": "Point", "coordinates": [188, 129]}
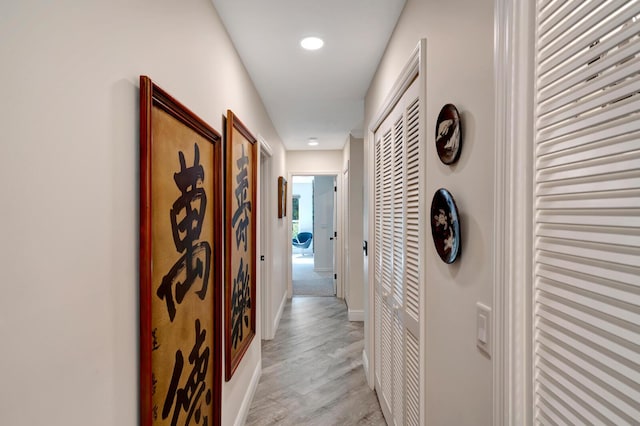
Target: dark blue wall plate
{"type": "Point", "coordinates": [445, 225]}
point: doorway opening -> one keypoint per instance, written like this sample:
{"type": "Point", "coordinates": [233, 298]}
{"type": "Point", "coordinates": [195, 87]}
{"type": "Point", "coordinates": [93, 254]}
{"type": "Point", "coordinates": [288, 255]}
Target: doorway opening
{"type": "Point", "coordinates": [313, 231]}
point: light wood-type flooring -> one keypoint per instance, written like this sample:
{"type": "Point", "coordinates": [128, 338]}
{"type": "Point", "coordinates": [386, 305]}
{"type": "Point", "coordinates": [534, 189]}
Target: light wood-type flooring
{"type": "Point", "coordinates": [312, 371]}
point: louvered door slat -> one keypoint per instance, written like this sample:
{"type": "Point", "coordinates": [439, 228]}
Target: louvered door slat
{"type": "Point", "coordinates": [387, 355]}
{"type": "Point", "coordinates": [378, 213]}
{"type": "Point", "coordinates": [548, 8]}
{"type": "Point", "coordinates": [591, 342]}
{"type": "Point", "coordinates": [615, 383]}
{"type": "Point", "coordinates": [378, 334]}
{"type": "Point", "coordinates": [597, 234]}
{"type": "Point", "coordinates": [588, 103]}
{"type": "Point", "coordinates": [570, 24]}
{"type": "Point", "coordinates": [592, 410]}
{"type": "Point", "coordinates": [588, 59]}
{"type": "Point", "coordinates": [591, 31]}
{"type": "Point", "coordinates": [587, 199]}
{"type": "Point", "coordinates": [582, 315]}
{"type": "Point", "coordinates": [591, 251]}
{"type": "Point", "coordinates": [590, 283]}
{"type": "Point", "coordinates": [399, 370]}
{"type": "Point", "coordinates": [595, 84]}
{"type": "Point", "coordinates": [612, 165]}
{"type": "Point", "coordinates": [629, 142]}
{"type": "Point", "coordinates": [387, 212]}
{"type": "Point", "coordinates": [629, 217]}
{"type": "Point", "coordinates": [398, 210]}
{"type": "Point", "coordinates": [412, 356]}
{"type": "Point", "coordinates": [545, 5]}
{"type": "Point", "coordinates": [596, 267]}
{"type": "Point", "coordinates": [600, 135]}
{"type": "Point", "coordinates": [551, 16]}
{"type": "Point", "coordinates": [412, 299]}
{"type": "Point", "coordinates": [613, 402]}
{"type": "Point", "coordinates": [584, 122]}
{"type": "Point", "coordinates": [554, 413]}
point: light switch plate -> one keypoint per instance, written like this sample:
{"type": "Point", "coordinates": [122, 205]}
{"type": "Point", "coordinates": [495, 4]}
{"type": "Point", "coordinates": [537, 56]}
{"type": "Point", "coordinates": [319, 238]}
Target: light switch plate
{"type": "Point", "coordinates": [483, 328]}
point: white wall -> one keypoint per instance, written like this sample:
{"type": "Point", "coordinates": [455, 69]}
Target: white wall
{"type": "Point", "coordinates": [309, 162]}
{"type": "Point", "coordinates": [459, 37]}
{"type": "Point", "coordinates": [69, 181]}
{"type": "Point", "coordinates": [305, 205]}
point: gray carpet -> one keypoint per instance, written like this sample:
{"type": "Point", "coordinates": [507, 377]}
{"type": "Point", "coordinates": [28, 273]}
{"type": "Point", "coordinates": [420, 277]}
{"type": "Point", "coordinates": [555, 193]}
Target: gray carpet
{"type": "Point", "coordinates": [307, 282]}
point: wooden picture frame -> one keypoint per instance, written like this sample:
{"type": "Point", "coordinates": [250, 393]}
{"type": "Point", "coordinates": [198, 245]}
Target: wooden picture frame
{"type": "Point", "coordinates": [240, 249]}
{"type": "Point", "coordinates": [180, 256]}
{"type": "Point", "coordinates": [282, 197]}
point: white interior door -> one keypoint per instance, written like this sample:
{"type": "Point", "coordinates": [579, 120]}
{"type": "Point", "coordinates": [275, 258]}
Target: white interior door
{"type": "Point", "coordinates": [323, 222]}
{"type": "Point", "coordinates": [586, 296]}
{"type": "Point", "coordinates": [334, 237]}
{"type": "Point", "coordinates": [397, 247]}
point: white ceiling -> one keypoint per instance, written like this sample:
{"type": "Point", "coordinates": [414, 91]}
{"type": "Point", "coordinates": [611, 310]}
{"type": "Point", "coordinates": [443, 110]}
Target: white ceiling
{"type": "Point", "coordinates": [311, 93]}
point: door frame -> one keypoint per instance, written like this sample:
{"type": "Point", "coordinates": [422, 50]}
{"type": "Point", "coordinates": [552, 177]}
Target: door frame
{"type": "Point", "coordinates": [345, 260]}
{"type": "Point", "coordinates": [338, 209]}
{"type": "Point", "coordinates": [513, 207]}
{"type": "Point", "coordinates": [415, 68]}
{"type": "Point", "coordinates": [264, 290]}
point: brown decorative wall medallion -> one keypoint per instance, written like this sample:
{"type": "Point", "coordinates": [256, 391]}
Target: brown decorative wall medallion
{"type": "Point", "coordinates": [448, 134]}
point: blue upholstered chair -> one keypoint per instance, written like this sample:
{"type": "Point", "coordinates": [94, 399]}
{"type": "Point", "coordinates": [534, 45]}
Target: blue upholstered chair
{"type": "Point", "coordinates": [302, 240]}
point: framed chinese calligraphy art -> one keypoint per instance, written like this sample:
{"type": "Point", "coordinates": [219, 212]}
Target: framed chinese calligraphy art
{"type": "Point", "coordinates": [282, 197]}
{"type": "Point", "coordinates": [180, 263]}
{"type": "Point", "coordinates": [240, 250]}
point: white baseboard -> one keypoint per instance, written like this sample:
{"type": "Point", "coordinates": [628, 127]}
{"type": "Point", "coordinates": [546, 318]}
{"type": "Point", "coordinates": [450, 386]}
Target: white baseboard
{"type": "Point", "coordinates": [276, 321]}
{"type": "Point", "coordinates": [248, 397]}
{"type": "Point", "coordinates": [356, 315]}
{"type": "Point", "coordinates": [329, 269]}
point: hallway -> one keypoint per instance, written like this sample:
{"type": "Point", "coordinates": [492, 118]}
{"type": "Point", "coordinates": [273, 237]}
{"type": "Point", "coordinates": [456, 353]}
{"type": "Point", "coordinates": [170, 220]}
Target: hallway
{"type": "Point", "coordinates": [308, 282]}
{"type": "Point", "coordinates": [312, 371]}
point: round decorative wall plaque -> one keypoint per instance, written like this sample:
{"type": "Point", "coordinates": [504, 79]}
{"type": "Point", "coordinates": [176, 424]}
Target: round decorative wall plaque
{"type": "Point", "coordinates": [445, 225]}
{"type": "Point", "coordinates": [448, 134]}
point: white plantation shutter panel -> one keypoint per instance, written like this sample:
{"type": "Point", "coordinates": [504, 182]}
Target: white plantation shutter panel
{"type": "Point", "coordinates": [587, 201]}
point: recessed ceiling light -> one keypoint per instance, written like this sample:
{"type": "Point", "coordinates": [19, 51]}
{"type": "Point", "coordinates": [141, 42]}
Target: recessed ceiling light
{"type": "Point", "coordinates": [313, 141]}
{"type": "Point", "coordinates": [311, 43]}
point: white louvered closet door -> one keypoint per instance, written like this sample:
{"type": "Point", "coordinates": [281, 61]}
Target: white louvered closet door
{"type": "Point", "coordinates": [396, 271]}
{"type": "Point", "coordinates": [586, 298]}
